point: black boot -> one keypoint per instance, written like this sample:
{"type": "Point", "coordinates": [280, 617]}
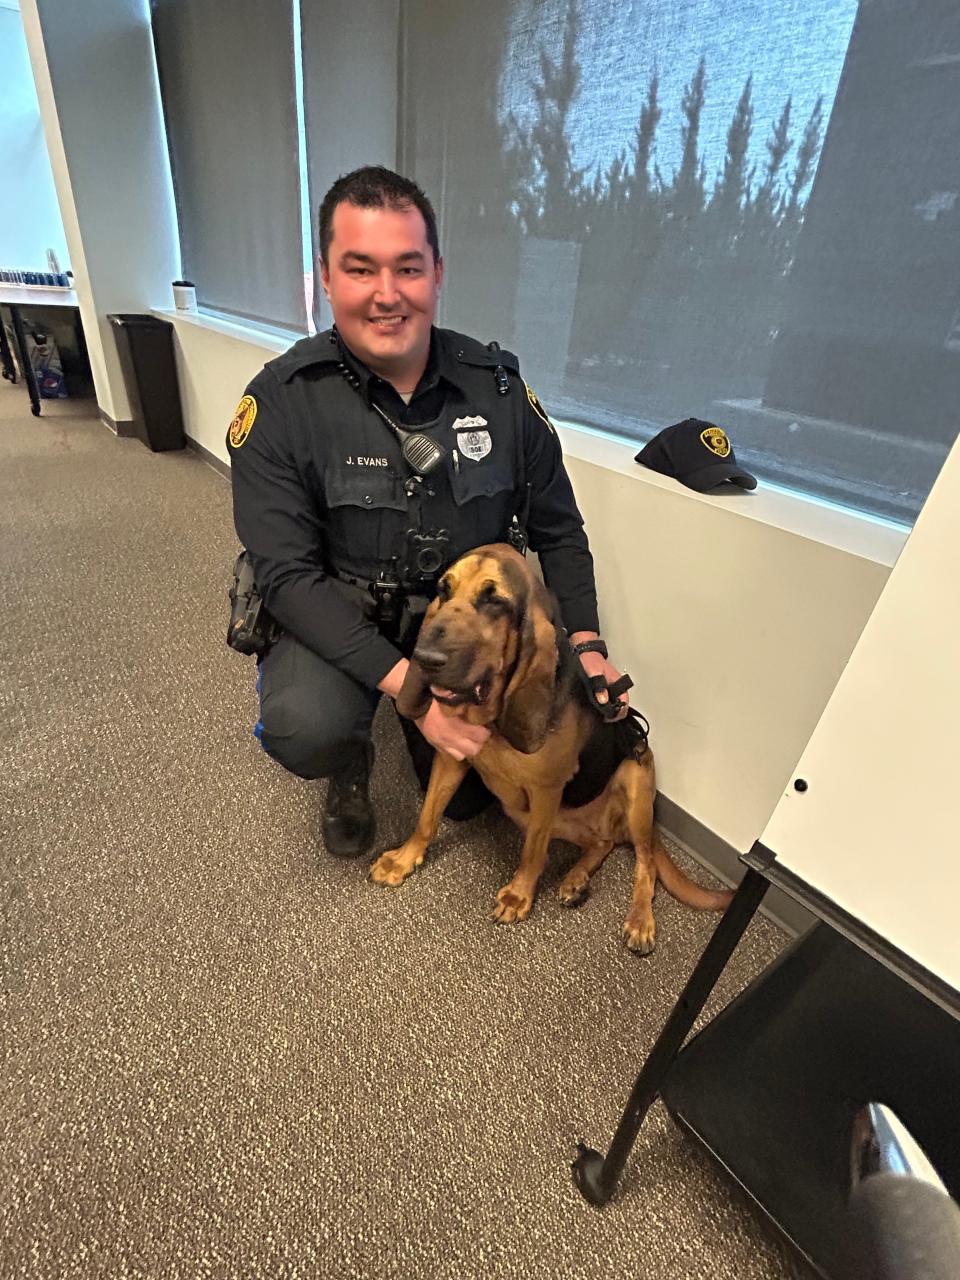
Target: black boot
{"type": "Point", "coordinates": [348, 825]}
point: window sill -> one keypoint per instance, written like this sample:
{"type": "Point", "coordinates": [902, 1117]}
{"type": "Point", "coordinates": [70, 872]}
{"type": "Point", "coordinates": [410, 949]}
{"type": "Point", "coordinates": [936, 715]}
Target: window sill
{"type": "Point", "coordinates": [865, 536]}
{"type": "Point", "coordinates": [274, 342]}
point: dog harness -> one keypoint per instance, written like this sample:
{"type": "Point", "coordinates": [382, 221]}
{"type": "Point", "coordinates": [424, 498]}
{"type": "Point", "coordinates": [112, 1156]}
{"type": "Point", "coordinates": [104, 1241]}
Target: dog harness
{"type": "Point", "coordinates": [613, 740]}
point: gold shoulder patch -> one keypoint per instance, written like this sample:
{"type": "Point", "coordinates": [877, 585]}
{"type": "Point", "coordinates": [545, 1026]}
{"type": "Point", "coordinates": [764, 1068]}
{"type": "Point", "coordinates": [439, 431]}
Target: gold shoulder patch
{"type": "Point", "coordinates": [715, 438]}
{"type": "Point", "coordinates": [242, 421]}
{"type": "Point", "coordinates": [537, 407]}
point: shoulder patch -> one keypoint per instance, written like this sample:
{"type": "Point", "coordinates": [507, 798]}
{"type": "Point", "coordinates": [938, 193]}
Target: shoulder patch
{"type": "Point", "coordinates": [537, 407]}
{"type": "Point", "coordinates": [242, 421]}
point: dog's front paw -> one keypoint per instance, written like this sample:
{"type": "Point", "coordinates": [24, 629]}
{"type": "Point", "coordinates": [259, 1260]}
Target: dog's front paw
{"type": "Point", "coordinates": [639, 932]}
{"type": "Point", "coordinates": [574, 888]}
{"type": "Point", "coordinates": [395, 865]}
{"type": "Point", "coordinates": [513, 904]}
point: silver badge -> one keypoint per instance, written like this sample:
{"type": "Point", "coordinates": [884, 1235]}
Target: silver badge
{"type": "Point", "coordinates": [474, 444]}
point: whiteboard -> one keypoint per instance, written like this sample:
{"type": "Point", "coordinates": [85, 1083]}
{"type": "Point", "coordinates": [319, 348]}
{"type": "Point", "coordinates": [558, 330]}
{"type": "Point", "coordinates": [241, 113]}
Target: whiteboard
{"type": "Point", "coordinates": [877, 831]}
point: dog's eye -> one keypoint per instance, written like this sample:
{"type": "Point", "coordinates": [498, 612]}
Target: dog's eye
{"type": "Point", "coordinates": [491, 601]}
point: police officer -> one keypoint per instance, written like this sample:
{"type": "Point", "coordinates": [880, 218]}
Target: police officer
{"type": "Point", "coordinates": [364, 461]}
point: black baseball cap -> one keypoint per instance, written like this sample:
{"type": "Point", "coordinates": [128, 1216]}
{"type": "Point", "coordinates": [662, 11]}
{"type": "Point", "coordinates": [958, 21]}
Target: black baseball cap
{"type": "Point", "coordinates": [698, 454]}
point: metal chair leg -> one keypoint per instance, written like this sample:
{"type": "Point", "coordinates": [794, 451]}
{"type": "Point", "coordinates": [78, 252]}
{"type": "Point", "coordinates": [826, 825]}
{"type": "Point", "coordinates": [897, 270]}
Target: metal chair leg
{"type": "Point", "coordinates": [596, 1176]}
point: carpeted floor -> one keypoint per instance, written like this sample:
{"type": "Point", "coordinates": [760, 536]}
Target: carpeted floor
{"type": "Point", "coordinates": [226, 1054]}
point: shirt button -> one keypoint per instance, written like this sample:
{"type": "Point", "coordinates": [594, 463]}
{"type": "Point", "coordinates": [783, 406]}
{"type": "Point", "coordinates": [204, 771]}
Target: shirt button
{"type": "Point", "coordinates": [367, 499]}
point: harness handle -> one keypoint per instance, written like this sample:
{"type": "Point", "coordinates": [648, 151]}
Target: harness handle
{"type": "Point", "coordinates": [598, 684]}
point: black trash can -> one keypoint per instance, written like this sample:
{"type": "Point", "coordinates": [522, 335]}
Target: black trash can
{"type": "Point", "coordinates": [145, 348]}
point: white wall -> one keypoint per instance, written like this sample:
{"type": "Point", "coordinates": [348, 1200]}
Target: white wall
{"type": "Point", "coordinates": [215, 361]}
{"type": "Point", "coordinates": [95, 73]}
{"type": "Point", "coordinates": [30, 221]}
{"type": "Point", "coordinates": [734, 614]}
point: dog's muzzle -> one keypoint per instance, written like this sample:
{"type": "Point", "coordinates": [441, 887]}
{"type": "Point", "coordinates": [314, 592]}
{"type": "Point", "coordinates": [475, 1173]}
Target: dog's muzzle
{"type": "Point", "coordinates": [430, 660]}
{"type": "Point", "coordinates": [474, 697]}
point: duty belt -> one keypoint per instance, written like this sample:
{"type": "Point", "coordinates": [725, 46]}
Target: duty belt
{"type": "Point", "coordinates": [365, 584]}
{"type": "Point", "coordinates": [382, 588]}
{"type": "Point", "coordinates": [396, 606]}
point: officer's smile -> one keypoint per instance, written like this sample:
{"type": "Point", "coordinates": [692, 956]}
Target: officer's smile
{"type": "Point", "coordinates": [386, 323]}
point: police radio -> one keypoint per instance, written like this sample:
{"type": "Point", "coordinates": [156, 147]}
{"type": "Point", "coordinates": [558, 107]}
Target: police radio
{"type": "Point", "coordinates": [420, 453]}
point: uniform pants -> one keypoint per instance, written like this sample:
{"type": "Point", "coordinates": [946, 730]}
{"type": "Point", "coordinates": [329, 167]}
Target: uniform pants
{"type": "Point", "coordinates": [314, 717]}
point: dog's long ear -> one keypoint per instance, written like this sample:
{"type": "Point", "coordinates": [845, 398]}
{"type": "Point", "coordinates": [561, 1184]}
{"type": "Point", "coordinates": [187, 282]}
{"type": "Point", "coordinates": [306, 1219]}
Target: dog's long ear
{"type": "Point", "coordinates": [414, 696]}
{"type": "Point", "coordinates": [528, 698]}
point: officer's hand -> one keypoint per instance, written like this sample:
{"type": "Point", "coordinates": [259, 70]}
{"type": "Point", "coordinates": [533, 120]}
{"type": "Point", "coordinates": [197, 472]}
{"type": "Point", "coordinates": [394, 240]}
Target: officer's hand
{"type": "Point", "coordinates": [451, 734]}
{"type": "Point", "coordinates": [595, 664]}
{"type": "Point", "coordinates": [610, 674]}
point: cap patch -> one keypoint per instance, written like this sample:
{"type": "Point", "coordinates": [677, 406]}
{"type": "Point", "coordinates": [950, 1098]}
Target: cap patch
{"type": "Point", "coordinates": [242, 421]}
{"type": "Point", "coordinates": [715, 438]}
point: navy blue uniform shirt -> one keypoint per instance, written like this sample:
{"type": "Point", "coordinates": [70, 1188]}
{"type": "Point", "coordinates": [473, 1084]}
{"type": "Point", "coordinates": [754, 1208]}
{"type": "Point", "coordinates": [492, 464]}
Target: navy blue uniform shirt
{"type": "Point", "coordinates": [318, 486]}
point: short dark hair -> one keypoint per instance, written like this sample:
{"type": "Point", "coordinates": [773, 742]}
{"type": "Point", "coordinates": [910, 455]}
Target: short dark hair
{"type": "Point", "coordinates": [374, 187]}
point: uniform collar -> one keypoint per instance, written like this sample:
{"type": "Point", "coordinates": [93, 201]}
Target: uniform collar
{"type": "Point", "coordinates": [305, 354]}
{"type": "Point", "coordinates": [371, 384]}
{"type": "Point", "coordinates": [452, 356]}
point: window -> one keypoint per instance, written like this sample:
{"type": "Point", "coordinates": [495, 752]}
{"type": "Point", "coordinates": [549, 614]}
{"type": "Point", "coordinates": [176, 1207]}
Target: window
{"type": "Point", "coordinates": [719, 208]}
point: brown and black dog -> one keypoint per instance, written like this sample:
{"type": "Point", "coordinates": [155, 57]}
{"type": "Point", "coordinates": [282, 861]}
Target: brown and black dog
{"type": "Point", "coordinates": [490, 641]}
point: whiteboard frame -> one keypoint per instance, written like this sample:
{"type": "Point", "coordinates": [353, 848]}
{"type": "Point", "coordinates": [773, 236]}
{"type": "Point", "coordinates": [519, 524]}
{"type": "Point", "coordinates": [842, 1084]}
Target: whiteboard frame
{"type": "Point", "coordinates": [762, 859]}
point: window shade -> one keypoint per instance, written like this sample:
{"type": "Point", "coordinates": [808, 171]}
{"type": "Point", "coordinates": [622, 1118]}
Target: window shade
{"type": "Point", "coordinates": [226, 72]}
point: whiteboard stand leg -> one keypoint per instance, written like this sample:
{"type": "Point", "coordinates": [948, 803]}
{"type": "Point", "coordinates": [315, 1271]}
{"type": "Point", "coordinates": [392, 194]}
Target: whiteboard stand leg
{"type": "Point", "coordinates": [596, 1176]}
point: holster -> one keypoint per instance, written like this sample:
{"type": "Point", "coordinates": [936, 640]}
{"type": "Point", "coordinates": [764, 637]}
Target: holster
{"type": "Point", "coordinates": [252, 630]}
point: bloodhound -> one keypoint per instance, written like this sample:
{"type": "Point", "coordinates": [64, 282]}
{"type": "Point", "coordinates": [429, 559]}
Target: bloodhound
{"type": "Point", "coordinates": [491, 648]}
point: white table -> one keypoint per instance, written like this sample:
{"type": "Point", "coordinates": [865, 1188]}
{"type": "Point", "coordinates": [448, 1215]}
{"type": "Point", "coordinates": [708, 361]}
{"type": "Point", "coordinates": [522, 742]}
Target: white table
{"type": "Point", "coordinates": [14, 297]}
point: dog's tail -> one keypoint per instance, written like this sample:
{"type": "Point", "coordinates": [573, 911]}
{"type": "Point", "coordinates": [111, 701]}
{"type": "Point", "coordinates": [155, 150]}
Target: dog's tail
{"type": "Point", "coordinates": [681, 887]}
